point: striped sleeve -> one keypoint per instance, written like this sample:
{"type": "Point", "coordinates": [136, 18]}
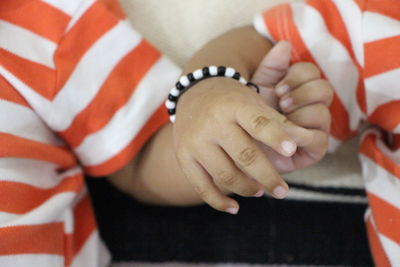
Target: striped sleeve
{"type": "Point", "coordinates": [328, 34]}
{"type": "Point", "coordinates": [110, 88]}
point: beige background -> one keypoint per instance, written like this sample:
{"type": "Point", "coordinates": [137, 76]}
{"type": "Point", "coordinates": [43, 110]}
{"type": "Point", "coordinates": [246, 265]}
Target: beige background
{"type": "Point", "coordinates": [179, 27]}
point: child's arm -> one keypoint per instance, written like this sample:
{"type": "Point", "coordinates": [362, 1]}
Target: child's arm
{"type": "Point", "coordinates": [156, 176]}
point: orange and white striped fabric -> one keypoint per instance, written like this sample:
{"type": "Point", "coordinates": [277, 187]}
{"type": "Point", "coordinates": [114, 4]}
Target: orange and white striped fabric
{"type": "Point", "coordinates": [356, 44]}
{"type": "Point", "coordinates": [80, 91]}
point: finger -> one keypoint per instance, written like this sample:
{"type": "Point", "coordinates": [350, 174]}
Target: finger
{"type": "Point", "coordinates": [272, 128]}
{"type": "Point", "coordinates": [313, 152]}
{"type": "Point", "coordinates": [250, 159]}
{"type": "Point", "coordinates": [226, 174]}
{"type": "Point", "coordinates": [297, 75]}
{"type": "Point", "coordinates": [317, 91]}
{"type": "Point", "coordinates": [316, 116]}
{"type": "Point", "coordinates": [274, 65]}
{"type": "Point", "coordinates": [205, 188]}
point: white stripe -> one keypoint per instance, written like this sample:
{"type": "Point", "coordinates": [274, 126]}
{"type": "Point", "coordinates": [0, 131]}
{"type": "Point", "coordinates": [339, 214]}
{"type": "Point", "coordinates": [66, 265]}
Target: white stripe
{"type": "Point", "coordinates": [380, 182]}
{"type": "Point", "coordinates": [78, 14]}
{"type": "Point", "coordinates": [331, 56]}
{"type": "Point", "coordinates": [32, 260]}
{"type": "Point", "coordinates": [352, 18]}
{"type": "Point", "coordinates": [392, 250]}
{"type": "Point", "coordinates": [24, 122]}
{"type": "Point", "coordinates": [129, 120]}
{"type": "Point", "coordinates": [39, 104]}
{"type": "Point", "coordinates": [379, 27]}
{"type": "Point", "coordinates": [261, 27]}
{"type": "Point", "coordinates": [382, 88]}
{"type": "Point", "coordinates": [50, 211]}
{"type": "Point", "coordinates": [31, 172]}
{"type": "Point", "coordinates": [304, 195]}
{"type": "Point", "coordinates": [66, 6]}
{"type": "Point", "coordinates": [93, 253]}
{"type": "Point", "coordinates": [90, 74]}
{"type": "Point", "coordinates": [15, 39]}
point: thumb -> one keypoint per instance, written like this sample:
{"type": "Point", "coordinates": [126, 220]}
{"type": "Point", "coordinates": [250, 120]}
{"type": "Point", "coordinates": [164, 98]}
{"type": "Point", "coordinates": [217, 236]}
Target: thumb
{"type": "Point", "coordinates": [273, 66]}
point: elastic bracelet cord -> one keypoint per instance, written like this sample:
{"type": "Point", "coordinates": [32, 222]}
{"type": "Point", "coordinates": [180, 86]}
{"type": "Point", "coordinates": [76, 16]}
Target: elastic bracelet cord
{"type": "Point", "coordinates": [187, 81]}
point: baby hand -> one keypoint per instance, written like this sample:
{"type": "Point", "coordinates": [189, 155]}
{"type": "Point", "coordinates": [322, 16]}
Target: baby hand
{"type": "Point", "coordinates": [298, 92]}
{"type": "Point", "coordinates": [217, 124]}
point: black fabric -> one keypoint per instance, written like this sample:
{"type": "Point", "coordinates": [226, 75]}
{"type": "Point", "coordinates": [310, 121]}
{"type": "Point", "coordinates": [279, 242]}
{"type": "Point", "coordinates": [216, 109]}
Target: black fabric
{"type": "Point", "coordinates": [265, 231]}
{"type": "Point", "coordinates": [330, 190]}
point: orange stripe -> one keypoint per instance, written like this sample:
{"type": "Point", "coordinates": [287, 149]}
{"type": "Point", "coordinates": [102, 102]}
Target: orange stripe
{"type": "Point", "coordinates": [386, 216]}
{"type": "Point", "coordinates": [389, 8]}
{"type": "Point", "coordinates": [84, 226]}
{"type": "Point", "coordinates": [368, 148]}
{"type": "Point", "coordinates": [282, 15]}
{"type": "Point", "coordinates": [37, 76]}
{"type": "Point", "coordinates": [158, 119]}
{"type": "Point", "coordinates": [18, 147]}
{"type": "Point", "coordinates": [387, 115]}
{"type": "Point", "coordinates": [32, 239]}
{"type": "Point", "coordinates": [21, 198]}
{"type": "Point", "coordinates": [337, 28]}
{"type": "Point", "coordinates": [89, 28]}
{"type": "Point", "coordinates": [382, 56]}
{"type": "Point", "coordinates": [361, 4]}
{"type": "Point", "coordinates": [8, 93]}
{"type": "Point", "coordinates": [36, 16]}
{"type": "Point", "coordinates": [377, 251]}
{"type": "Point", "coordinates": [115, 8]}
{"type": "Point", "coordinates": [114, 93]}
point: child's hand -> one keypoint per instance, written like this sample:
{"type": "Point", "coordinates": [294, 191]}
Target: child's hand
{"type": "Point", "coordinates": [217, 123]}
{"type": "Point", "coordinates": [303, 97]}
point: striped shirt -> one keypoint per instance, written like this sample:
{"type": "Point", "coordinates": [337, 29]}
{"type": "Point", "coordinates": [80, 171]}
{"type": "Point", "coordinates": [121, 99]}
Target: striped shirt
{"type": "Point", "coordinates": [356, 44]}
{"type": "Point", "coordinates": [80, 92]}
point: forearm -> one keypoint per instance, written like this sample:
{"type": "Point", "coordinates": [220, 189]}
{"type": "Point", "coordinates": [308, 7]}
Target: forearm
{"type": "Point", "coordinates": [155, 176]}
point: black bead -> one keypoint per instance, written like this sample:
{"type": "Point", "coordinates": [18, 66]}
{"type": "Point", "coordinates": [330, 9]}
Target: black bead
{"type": "Point", "coordinates": [191, 77]}
{"type": "Point", "coordinates": [171, 111]}
{"type": "Point", "coordinates": [206, 71]}
{"type": "Point", "coordinates": [179, 86]}
{"type": "Point", "coordinates": [172, 98]}
{"type": "Point", "coordinates": [221, 71]}
{"type": "Point", "coordinates": [236, 76]}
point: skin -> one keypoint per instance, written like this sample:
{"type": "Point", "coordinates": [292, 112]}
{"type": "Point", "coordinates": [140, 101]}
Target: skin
{"type": "Point", "coordinates": [229, 139]}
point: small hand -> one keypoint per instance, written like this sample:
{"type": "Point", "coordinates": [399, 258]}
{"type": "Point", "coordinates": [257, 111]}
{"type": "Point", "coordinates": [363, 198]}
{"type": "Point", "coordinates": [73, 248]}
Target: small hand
{"type": "Point", "coordinates": [217, 124]}
{"type": "Point", "coordinates": [299, 93]}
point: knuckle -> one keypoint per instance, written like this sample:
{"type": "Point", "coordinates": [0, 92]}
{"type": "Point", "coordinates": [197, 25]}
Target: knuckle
{"type": "Point", "coordinates": [260, 122]}
{"type": "Point", "coordinates": [311, 69]}
{"type": "Point", "coordinates": [247, 156]}
{"type": "Point", "coordinates": [202, 192]}
{"type": "Point", "coordinates": [227, 178]}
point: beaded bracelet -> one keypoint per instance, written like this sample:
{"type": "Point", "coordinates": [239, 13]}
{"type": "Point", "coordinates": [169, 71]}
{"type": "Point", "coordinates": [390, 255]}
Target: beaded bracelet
{"type": "Point", "coordinates": [186, 81]}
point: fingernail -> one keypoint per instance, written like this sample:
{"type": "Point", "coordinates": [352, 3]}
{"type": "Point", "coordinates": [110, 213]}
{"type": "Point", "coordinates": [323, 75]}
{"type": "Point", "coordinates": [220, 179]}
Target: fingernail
{"type": "Point", "coordinates": [281, 90]}
{"type": "Point", "coordinates": [259, 193]}
{"type": "Point", "coordinates": [233, 211]}
{"type": "Point", "coordinates": [280, 192]}
{"type": "Point", "coordinates": [289, 147]}
{"type": "Point", "coordinates": [285, 103]}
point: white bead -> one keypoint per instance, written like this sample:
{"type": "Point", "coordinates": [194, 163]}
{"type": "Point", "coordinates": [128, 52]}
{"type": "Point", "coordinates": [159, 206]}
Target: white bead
{"type": "Point", "coordinates": [184, 81]}
{"type": "Point", "coordinates": [229, 72]}
{"type": "Point", "coordinates": [174, 91]}
{"type": "Point", "coordinates": [169, 104]}
{"type": "Point", "coordinates": [213, 70]}
{"type": "Point", "coordinates": [172, 118]}
{"type": "Point", "coordinates": [198, 74]}
{"type": "Point", "coordinates": [243, 80]}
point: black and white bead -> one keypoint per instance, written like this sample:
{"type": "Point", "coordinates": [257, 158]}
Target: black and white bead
{"type": "Point", "coordinates": [188, 80]}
